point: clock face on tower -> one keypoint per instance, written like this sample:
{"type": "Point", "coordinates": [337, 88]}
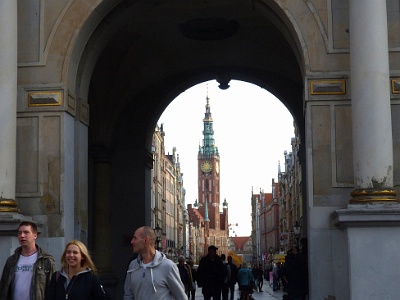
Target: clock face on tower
{"type": "Point", "coordinates": [206, 166]}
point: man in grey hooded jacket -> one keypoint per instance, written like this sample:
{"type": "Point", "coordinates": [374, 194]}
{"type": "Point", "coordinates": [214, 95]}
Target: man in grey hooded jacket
{"type": "Point", "coordinates": [152, 275]}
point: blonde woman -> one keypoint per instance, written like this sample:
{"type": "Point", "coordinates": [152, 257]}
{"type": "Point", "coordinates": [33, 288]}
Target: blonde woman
{"type": "Point", "coordinates": [77, 278]}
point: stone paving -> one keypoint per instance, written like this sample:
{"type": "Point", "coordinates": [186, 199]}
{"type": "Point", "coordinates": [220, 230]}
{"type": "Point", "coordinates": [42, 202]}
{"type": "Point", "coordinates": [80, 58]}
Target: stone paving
{"type": "Point", "coordinates": [267, 293]}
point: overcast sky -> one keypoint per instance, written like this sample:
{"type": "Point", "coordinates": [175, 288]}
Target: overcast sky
{"type": "Point", "coordinates": [252, 129]}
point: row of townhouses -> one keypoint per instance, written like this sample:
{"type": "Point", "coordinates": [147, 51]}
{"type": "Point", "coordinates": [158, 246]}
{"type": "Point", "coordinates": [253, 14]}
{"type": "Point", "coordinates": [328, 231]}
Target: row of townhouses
{"type": "Point", "coordinates": [277, 217]}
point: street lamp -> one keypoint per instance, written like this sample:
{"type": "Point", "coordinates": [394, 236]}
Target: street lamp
{"type": "Point", "coordinates": [296, 230]}
{"type": "Point", "coordinates": [158, 231]}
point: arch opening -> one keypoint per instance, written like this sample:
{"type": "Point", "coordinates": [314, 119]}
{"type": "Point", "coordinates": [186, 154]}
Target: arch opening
{"type": "Point", "coordinates": [138, 67]}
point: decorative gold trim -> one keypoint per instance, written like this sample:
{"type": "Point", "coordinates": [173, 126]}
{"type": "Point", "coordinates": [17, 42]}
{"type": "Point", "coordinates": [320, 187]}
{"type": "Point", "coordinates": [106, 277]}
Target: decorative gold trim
{"type": "Point", "coordinates": [328, 87]}
{"type": "Point", "coordinates": [45, 98]}
{"type": "Point", "coordinates": [395, 86]}
{"type": "Point", "coordinates": [370, 195]}
{"type": "Point", "coordinates": [8, 205]}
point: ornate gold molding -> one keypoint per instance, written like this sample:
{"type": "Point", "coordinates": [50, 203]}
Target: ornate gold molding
{"type": "Point", "coordinates": [45, 98]}
{"type": "Point", "coordinates": [328, 87]}
{"type": "Point", "coordinates": [8, 205]}
{"type": "Point", "coordinates": [373, 195]}
{"type": "Point", "coordinates": [395, 83]}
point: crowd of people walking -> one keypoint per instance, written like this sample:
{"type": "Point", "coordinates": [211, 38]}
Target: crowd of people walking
{"type": "Point", "coordinates": [30, 273]}
{"type": "Point", "coordinates": [292, 275]}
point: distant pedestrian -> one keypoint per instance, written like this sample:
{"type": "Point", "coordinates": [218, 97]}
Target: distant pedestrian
{"type": "Point", "coordinates": [245, 280]}
{"type": "Point", "coordinates": [186, 274]}
{"type": "Point", "coordinates": [296, 275]}
{"type": "Point", "coordinates": [258, 276]}
{"type": "Point", "coordinates": [233, 279]}
{"type": "Point", "coordinates": [194, 278]}
{"type": "Point", "coordinates": [225, 285]}
{"type": "Point", "coordinates": [275, 277]}
{"type": "Point", "coordinates": [211, 274]}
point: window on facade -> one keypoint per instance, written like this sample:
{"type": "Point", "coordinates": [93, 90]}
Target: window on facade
{"type": "Point", "coordinates": [212, 240]}
{"type": "Point", "coordinates": [159, 200]}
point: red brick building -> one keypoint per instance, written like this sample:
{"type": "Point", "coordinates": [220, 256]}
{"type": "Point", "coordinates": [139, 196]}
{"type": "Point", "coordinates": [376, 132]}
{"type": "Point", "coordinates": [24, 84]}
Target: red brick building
{"type": "Point", "coordinates": [206, 209]}
{"type": "Point", "coordinates": [266, 235]}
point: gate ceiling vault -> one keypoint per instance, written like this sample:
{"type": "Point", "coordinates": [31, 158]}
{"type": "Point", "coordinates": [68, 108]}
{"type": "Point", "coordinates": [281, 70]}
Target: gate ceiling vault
{"type": "Point", "coordinates": [154, 50]}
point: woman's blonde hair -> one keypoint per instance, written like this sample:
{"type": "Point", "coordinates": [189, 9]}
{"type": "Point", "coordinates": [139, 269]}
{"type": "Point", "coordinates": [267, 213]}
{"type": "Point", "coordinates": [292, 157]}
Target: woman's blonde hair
{"type": "Point", "coordinates": [86, 261]}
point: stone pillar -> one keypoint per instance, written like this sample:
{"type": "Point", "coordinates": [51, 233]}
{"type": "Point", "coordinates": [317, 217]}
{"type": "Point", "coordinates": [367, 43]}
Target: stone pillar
{"type": "Point", "coordinates": [370, 101]}
{"type": "Point", "coordinates": [371, 221]}
{"type": "Point", "coordinates": [371, 231]}
{"type": "Point", "coordinates": [101, 208]}
{"type": "Point", "coordinates": [8, 104]}
{"type": "Point", "coordinates": [102, 218]}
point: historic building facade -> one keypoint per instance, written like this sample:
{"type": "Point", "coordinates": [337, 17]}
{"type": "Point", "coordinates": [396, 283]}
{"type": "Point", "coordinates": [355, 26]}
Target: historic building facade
{"type": "Point", "coordinates": [265, 231]}
{"type": "Point", "coordinates": [215, 222]}
{"type": "Point", "coordinates": [242, 246]}
{"type": "Point", "coordinates": [168, 197]}
{"type": "Point", "coordinates": [291, 198]}
{"type": "Point", "coordinates": [83, 83]}
{"type": "Point", "coordinates": [278, 216]}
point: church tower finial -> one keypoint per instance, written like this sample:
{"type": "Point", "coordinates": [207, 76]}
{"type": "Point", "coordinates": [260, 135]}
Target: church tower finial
{"type": "Point", "coordinates": [207, 94]}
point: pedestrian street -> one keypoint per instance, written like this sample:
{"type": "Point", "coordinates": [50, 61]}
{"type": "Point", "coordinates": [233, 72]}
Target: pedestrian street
{"type": "Point", "coordinates": [267, 293]}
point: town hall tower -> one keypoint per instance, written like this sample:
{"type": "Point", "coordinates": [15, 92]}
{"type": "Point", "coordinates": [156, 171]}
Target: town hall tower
{"type": "Point", "coordinates": [208, 158]}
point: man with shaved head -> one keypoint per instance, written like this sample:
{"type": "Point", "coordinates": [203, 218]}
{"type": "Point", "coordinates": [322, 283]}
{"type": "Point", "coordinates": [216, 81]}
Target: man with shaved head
{"type": "Point", "coordinates": [151, 275]}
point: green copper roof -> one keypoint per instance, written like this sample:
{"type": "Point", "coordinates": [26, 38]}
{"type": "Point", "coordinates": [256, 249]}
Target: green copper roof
{"type": "Point", "coordinates": [208, 148]}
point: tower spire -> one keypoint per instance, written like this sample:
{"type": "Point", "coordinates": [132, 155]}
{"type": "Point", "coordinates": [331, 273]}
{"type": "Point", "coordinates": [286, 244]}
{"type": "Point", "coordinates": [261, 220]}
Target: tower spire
{"type": "Point", "coordinates": [207, 115]}
{"type": "Point", "coordinates": [208, 148]}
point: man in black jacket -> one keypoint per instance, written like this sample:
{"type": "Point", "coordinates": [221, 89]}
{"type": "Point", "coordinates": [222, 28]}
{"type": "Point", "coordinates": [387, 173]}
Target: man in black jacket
{"type": "Point", "coordinates": [297, 274]}
{"type": "Point", "coordinates": [211, 274]}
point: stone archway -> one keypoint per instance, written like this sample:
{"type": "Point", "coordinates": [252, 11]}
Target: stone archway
{"type": "Point", "coordinates": [141, 69]}
{"type": "Point", "coordinates": [122, 62]}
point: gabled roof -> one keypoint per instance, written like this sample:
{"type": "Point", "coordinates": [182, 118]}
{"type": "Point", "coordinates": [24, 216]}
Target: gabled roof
{"type": "Point", "coordinates": [268, 198]}
{"type": "Point", "coordinates": [195, 215]}
{"type": "Point", "coordinates": [239, 241]}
